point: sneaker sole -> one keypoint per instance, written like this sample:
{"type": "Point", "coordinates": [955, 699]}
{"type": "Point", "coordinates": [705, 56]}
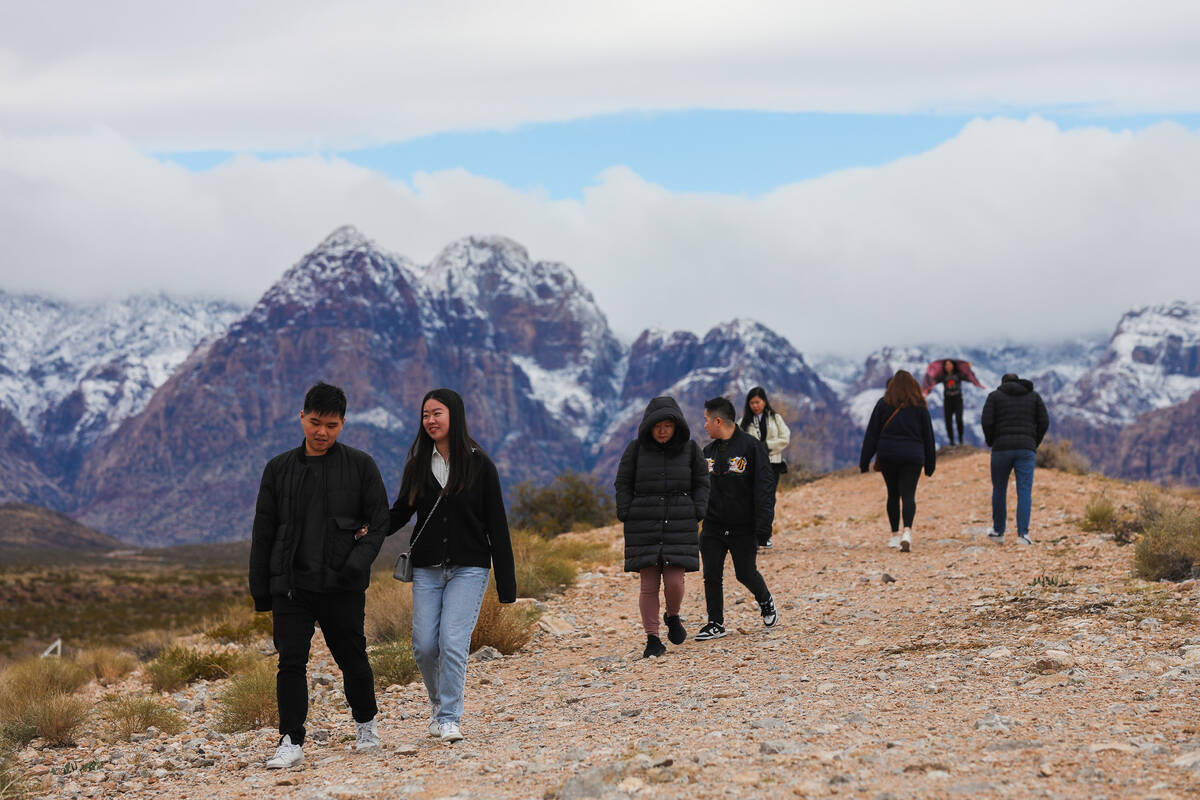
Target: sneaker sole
{"type": "Point", "coordinates": [453, 739]}
{"type": "Point", "coordinates": [700, 638]}
{"type": "Point", "coordinates": [284, 766]}
{"type": "Point", "coordinates": [366, 747]}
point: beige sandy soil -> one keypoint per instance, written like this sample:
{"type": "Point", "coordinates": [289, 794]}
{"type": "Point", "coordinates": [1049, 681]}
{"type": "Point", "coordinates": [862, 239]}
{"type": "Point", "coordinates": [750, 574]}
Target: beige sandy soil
{"type": "Point", "coordinates": [984, 670]}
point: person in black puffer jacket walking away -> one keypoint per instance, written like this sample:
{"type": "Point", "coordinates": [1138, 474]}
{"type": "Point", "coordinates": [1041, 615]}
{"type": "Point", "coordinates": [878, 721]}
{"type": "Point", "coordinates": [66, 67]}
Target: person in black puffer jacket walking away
{"type": "Point", "coordinates": [1014, 423]}
{"type": "Point", "coordinates": [662, 491]}
{"type": "Point", "coordinates": [900, 437]}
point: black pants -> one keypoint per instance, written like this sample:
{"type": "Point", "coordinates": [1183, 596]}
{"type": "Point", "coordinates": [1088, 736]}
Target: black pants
{"type": "Point", "coordinates": [901, 480]}
{"type": "Point", "coordinates": [340, 616]}
{"type": "Point", "coordinates": [954, 408]}
{"type": "Point", "coordinates": [744, 550]}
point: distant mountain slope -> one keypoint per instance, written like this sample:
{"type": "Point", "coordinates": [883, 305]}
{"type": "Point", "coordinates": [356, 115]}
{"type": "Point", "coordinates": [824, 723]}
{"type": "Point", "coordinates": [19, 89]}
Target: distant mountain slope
{"type": "Point", "coordinates": [28, 526]}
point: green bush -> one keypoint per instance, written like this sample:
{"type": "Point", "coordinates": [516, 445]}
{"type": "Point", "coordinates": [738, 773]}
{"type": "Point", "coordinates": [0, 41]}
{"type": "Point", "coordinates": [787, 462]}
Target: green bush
{"type": "Point", "coordinates": [248, 702]}
{"type": "Point", "coordinates": [178, 666]}
{"type": "Point", "coordinates": [1100, 515]}
{"type": "Point", "coordinates": [124, 716]}
{"type": "Point", "coordinates": [1060, 454]}
{"type": "Point", "coordinates": [393, 663]}
{"type": "Point", "coordinates": [239, 624]}
{"type": "Point", "coordinates": [1170, 545]}
{"type": "Point", "coordinates": [572, 502]}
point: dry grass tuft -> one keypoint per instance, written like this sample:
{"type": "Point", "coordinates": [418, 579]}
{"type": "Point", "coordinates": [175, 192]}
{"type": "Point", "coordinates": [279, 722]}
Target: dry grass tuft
{"type": "Point", "coordinates": [1060, 454]}
{"type": "Point", "coordinates": [1100, 515]}
{"type": "Point", "coordinates": [248, 702]}
{"type": "Point", "coordinates": [389, 611]}
{"type": "Point", "coordinates": [14, 785]}
{"type": "Point", "coordinates": [148, 645]}
{"type": "Point", "coordinates": [178, 666]}
{"type": "Point", "coordinates": [125, 716]}
{"type": "Point", "coordinates": [106, 664]}
{"type": "Point", "coordinates": [1170, 545]}
{"type": "Point", "coordinates": [59, 718]}
{"type": "Point", "coordinates": [505, 627]}
{"type": "Point", "coordinates": [239, 624]}
{"type": "Point", "coordinates": [546, 566]}
{"type": "Point", "coordinates": [393, 663]}
{"type": "Point", "coordinates": [29, 706]}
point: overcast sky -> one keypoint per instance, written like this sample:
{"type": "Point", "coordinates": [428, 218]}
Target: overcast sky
{"type": "Point", "coordinates": [934, 171]}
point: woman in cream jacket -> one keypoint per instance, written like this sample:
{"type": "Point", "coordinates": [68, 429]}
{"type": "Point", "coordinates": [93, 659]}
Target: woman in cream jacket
{"type": "Point", "coordinates": [761, 421]}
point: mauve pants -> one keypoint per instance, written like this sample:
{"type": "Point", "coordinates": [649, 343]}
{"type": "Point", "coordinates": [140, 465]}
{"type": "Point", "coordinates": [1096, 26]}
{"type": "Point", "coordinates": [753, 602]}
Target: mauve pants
{"type": "Point", "coordinates": [672, 584]}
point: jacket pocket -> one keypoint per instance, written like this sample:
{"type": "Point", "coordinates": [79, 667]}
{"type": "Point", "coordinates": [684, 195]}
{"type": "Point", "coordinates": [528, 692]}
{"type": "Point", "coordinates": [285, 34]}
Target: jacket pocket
{"type": "Point", "coordinates": [340, 541]}
{"type": "Point", "coordinates": [278, 548]}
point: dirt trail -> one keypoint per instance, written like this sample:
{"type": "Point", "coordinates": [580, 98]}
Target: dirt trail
{"type": "Point", "coordinates": [984, 670]}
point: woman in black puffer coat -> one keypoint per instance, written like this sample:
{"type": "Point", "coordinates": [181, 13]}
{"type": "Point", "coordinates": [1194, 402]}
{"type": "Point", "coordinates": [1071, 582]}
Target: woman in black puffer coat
{"type": "Point", "coordinates": [662, 493]}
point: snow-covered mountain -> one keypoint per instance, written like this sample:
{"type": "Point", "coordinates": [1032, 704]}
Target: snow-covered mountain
{"type": "Point", "coordinates": [71, 373]}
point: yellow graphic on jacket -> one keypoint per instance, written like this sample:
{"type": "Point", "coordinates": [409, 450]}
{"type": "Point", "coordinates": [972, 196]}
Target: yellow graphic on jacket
{"type": "Point", "coordinates": [711, 464]}
{"type": "Point", "coordinates": [737, 464]}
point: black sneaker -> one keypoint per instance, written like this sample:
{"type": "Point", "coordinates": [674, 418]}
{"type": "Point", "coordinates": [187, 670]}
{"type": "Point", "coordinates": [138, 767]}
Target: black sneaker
{"type": "Point", "coordinates": [713, 630]}
{"type": "Point", "coordinates": [654, 647]}
{"type": "Point", "coordinates": [767, 545]}
{"type": "Point", "coordinates": [675, 632]}
{"type": "Point", "coordinates": [769, 614]}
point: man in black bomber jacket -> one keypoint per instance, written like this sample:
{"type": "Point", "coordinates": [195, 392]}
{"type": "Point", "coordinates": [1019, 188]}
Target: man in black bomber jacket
{"type": "Point", "coordinates": [320, 519]}
{"type": "Point", "coordinates": [741, 508]}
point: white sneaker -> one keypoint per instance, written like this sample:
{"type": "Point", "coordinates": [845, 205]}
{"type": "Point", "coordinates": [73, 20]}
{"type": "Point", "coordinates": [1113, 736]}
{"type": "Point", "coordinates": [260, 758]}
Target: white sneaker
{"type": "Point", "coordinates": [995, 537]}
{"type": "Point", "coordinates": [450, 732]}
{"type": "Point", "coordinates": [894, 542]}
{"type": "Point", "coordinates": [287, 755]}
{"type": "Point", "coordinates": [906, 541]}
{"type": "Point", "coordinates": [435, 730]}
{"type": "Point", "coordinates": [1023, 538]}
{"type": "Point", "coordinates": [368, 736]}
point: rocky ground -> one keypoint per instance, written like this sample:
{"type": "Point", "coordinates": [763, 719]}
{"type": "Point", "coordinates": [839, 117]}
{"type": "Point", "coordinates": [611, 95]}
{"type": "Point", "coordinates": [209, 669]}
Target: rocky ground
{"type": "Point", "coordinates": [968, 669]}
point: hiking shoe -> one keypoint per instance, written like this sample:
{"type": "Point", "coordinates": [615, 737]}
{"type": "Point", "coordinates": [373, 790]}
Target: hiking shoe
{"type": "Point", "coordinates": [906, 541]}
{"type": "Point", "coordinates": [675, 631]}
{"type": "Point", "coordinates": [995, 537]}
{"type": "Point", "coordinates": [894, 542]}
{"type": "Point", "coordinates": [654, 647]}
{"type": "Point", "coordinates": [368, 736]}
{"type": "Point", "coordinates": [712, 630]}
{"type": "Point", "coordinates": [450, 732]}
{"type": "Point", "coordinates": [435, 730]}
{"type": "Point", "coordinates": [287, 755]}
{"type": "Point", "coordinates": [1023, 538]}
{"type": "Point", "coordinates": [769, 614]}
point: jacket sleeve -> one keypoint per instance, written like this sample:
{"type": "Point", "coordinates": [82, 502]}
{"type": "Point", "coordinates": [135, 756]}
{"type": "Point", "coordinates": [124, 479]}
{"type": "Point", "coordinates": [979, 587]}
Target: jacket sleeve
{"type": "Point", "coordinates": [1043, 419]}
{"type": "Point", "coordinates": [778, 435]}
{"type": "Point", "coordinates": [765, 480]}
{"type": "Point", "coordinates": [623, 483]}
{"type": "Point", "coordinates": [373, 501]}
{"type": "Point", "coordinates": [401, 512]}
{"type": "Point", "coordinates": [498, 534]}
{"type": "Point", "coordinates": [988, 419]}
{"type": "Point", "coordinates": [870, 438]}
{"type": "Point", "coordinates": [930, 443]}
{"type": "Point", "coordinates": [700, 481]}
{"type": "Point", "coordinates": [262, 539]}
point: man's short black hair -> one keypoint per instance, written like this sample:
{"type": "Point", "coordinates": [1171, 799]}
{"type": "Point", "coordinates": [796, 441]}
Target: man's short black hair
{"type": "Point", "coordinates": [720, 407]}
{"type": "Point", "coordinates": [325, 398]}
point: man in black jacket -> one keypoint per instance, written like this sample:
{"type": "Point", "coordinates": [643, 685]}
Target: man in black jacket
{"type": "Point", "coordinates": [741, 508]}
{"type": "Point", "coordinates": [321, 516]}
{"type": "Point", "coordinates": [1014, 423]}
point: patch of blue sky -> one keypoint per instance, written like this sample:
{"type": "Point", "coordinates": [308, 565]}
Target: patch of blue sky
{"type": "Point", "coordinates": [724, 152]}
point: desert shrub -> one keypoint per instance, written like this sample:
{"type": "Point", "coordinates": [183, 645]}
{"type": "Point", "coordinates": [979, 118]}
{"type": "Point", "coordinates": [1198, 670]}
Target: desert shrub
{"type": "Point", "coordinates": [248, 702]}
{"type": "Point", "coordinates": [1061, 454]}
{"type": "Point", "coordinates": [59, 717]}
{"type": "Point", "coordinates": [571, 502]}
{"type": "Point", "coordinates": [505, 627]}
{"type": "Point", "coordinates": [1170, 545]}
{"type": "Point", "coordinates": [546, 566]}
{"type": "Point", "coordinates": [106, 664]}
{"type": "Point", "coordinates": [178, 666]}
{"type": "Point", "coordinates": [389, 611]}
{"type": "Point", "coordinates": [28, 692]}
{"type": "Point", "coordinates": [239, 624]}
{"type": "Point", "coordinates": [1152, 507]}
{"type": "Point", "coordinates": [148, 645]}
{"type": "Point", "coordinates": [124, 716]}
{"type": "Point", "coordinates": [393, 663]}
{"type": "Point", "coordinates": [1100, 514]}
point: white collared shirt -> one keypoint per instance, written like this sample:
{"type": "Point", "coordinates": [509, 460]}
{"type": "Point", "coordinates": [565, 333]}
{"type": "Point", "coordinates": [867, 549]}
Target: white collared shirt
{"type": "Point", "coordinates": [440, 468]}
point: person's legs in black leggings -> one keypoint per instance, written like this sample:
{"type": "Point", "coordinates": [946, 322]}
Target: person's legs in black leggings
{"type": "Point", "coordinates": [712, 555]}
{"type": "Point", "coordinates": [891, 480]}
{"type": "Point", "coordinates": [907, 476]}
{"type": "Point", "coordinates": [952, 409]}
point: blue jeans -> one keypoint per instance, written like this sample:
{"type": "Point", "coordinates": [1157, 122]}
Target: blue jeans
{"type": "Point", "coordinates": [1005, 462]}
{"type": "Point", "coordinates": [446, 602]}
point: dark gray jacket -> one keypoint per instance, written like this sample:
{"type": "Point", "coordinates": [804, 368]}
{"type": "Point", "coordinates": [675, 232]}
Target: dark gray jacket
{"type": "Point", "coordinates": [1014, 417]}
{"type": "Point", "coordinates": [353, 496]}
{"type": "Point", "coordinates": [662, 491]}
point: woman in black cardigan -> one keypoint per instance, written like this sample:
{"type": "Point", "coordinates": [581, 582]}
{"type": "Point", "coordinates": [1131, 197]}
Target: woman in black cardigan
{"type": "Point", "coordinates": [662, 492]}
{"type": "Point", "coordinates": [461, 530]}
{"type": "Point", "coordinates": [900, 436]}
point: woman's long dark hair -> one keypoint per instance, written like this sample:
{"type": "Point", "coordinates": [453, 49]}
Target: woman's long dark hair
{"type": "Point", "coordinates": [463, 468]}
{"type": "Point", "coordinates": [903, 390]}
{"type": "Point", "coordinates": [747, 414]}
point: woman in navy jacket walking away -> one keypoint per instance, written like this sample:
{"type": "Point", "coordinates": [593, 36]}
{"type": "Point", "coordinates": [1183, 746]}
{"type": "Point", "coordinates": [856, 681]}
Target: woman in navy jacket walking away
{"type": "Point", "coordinates": [900, 436]}
{"type": "Point", "coordinates": [461, 530]}
{"type": "Point", "coordinates": [662, 492]}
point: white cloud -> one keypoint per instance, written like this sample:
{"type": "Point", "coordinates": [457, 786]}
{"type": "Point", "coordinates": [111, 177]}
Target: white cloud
{"type": "Point", "coordinates": [1012, 229]}
{"type": "Point", "coordinates": [305, 75]}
